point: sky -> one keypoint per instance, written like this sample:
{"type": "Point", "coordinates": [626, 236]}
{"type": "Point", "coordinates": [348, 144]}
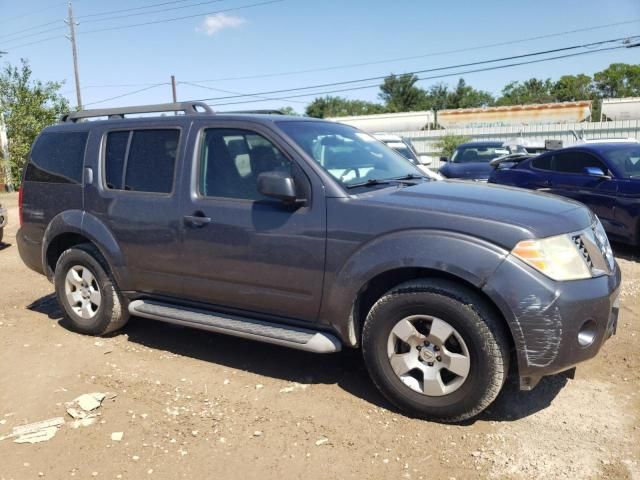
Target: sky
{"type": "Point", "coordinates": [253, 46]}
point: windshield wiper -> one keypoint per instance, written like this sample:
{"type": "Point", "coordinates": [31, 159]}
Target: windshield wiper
{"type": "Point", "coordinates": [410, 176]}
{"type": "Point", "coordinates": [369, 183]}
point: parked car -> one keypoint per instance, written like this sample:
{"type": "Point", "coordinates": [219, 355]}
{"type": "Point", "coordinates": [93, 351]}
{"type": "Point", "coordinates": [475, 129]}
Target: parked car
{"type": "Point", "coordinates": [3, 220]}
{"type": "Point", "coordinates": [605, 177]}
{"type": "Point", "coordinates": [470, 161]}
{"type": "Point", "coordinates": [310, 234]}
{"type": "Point", "coordinates": [405, 147]}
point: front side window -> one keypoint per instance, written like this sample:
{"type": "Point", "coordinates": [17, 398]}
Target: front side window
{"type": "Point", "coordinates": [475, 154]}
{"type": "Point", "coordinates": [626, 159]}
{"type": "Point", "coordinates": [57, 158]}
{"type": "Point", "coordinates": [231, 161]}
{"type": "Point", "coordinates": [352, 157]}
{"type": "Point", "coordinates": [141, 160]}
{"type": "Point", "coordinates": [576, 162]}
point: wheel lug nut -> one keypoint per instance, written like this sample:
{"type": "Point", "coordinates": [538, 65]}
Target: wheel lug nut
{"type": "Point", "coordinates": [436, 348]}
{"type": "Point", "coordinates": [426, 344]}
{"type": "Point", "coordinates": [439, 359]}
{"type": "Point", "coordinates": [430, 364]}
{"type": "Point", "coordinates": [419, 347]}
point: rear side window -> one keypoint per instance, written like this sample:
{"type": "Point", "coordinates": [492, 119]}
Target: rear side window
{"type": "Point", "coordinates": [57, 158]}
{"type": "Point", "coordinates": [141, 160]}
{"type": "Point", "coordinates": [542, 163]}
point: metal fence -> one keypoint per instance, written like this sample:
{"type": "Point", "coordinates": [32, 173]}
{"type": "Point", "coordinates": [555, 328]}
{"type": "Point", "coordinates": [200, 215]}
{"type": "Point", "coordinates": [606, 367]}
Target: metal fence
{"type": "Point", "coordinates": [426, 141]}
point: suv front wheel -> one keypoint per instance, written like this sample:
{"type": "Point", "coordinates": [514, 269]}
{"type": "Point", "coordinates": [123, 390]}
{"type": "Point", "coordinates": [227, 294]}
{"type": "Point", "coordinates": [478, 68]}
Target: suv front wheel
{"type": "Point", "coordinates": [435, 350]}
{"type": "Point", "coordinates": [87, 292]}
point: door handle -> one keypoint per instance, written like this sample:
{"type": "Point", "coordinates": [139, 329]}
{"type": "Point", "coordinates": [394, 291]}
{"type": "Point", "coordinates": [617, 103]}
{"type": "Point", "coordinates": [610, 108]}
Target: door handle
{"type": "Point", "coordinates": [198, 219]}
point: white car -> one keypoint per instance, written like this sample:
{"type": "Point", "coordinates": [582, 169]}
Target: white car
{"type": "Point", "coordinates": [405, 148]}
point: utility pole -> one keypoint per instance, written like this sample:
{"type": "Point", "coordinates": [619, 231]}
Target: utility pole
{"type": "Point", "coordinates": [173, 88]}
{"type": "Point", "coordinates": [72, 37]}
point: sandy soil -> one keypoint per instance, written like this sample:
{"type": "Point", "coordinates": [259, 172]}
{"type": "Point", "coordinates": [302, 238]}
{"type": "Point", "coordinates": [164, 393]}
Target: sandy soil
{"type": "Point", "coordinates": [199, 405]}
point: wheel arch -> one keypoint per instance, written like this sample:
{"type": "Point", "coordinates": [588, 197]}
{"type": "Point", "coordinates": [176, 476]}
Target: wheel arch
{"type": "Point", "coordinates": [76, 227]}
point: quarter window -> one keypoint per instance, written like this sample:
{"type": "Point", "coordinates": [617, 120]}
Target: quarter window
{"type": "Point", "coordinates": [231, 160]}
{"type": "Point", "coordinates": [141, 160]}
{"type": "Point", "coordinates": [57, 158]}
{"type": "Point", "coordinates": [542, 163]}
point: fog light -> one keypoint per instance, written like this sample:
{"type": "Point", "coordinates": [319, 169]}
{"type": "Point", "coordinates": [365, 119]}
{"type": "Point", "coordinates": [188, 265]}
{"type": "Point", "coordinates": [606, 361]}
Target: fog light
{"type": "Point", "coordinates": [587, 333]}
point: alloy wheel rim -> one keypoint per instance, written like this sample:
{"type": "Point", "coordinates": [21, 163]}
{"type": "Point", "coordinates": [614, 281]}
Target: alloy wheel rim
{"type": "Point", "coordinates": [82, 292]}
{"type": "Point", "coordinates": [428, 355]}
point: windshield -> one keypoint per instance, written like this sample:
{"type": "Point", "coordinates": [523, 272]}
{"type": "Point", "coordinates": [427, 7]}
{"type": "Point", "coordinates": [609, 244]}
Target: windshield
{"type": "Point", "coordinates": [352, 157]}
{"type": "Point", "coordinates": [626, 159]}
{"type": "Point", "coordinates": [403, 150]}
{"type": "Point", "coordinates": [482, 154]}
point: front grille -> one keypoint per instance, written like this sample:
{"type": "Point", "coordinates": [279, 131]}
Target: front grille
{"type": "Point", "coordinates": [582, 248]}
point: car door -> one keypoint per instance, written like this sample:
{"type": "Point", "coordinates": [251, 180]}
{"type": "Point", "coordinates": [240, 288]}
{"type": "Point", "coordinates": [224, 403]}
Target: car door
{"type": "Point", "coordinates": [598, 193]}
{"type": "Point", "coordinates": [539, 173]}
{"type": "Point", "coordinates": [241, 250]}
{"type": "Point", "coordinates": [134, 195]}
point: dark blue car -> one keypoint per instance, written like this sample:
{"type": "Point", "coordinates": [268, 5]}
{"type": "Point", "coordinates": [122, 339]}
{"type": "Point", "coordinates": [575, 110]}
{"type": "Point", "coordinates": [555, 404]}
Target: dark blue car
{"type": "Point", "coordinates": [604, 176]}
{"type": "Point", "coordinates": [470, 161]}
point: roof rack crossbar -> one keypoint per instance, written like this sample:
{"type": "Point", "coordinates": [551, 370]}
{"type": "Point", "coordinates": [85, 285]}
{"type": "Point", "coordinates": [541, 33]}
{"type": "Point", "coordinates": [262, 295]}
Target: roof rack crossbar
{"type": "Point", "coordinates": [189, 108]}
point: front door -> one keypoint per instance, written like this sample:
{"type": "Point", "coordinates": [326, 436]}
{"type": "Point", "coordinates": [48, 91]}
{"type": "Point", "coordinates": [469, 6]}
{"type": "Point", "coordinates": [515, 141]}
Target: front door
{"type": "Point", "coordinates": [242, 250]}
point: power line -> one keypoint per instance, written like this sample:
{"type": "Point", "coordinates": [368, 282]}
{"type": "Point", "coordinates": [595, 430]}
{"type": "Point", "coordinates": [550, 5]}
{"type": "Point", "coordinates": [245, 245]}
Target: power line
{"type": "Point", "coordinates": [33, 12]}
{"type": "Point", "coordinates": [242, 7]}
{"type": "Point", "coordinates": [431, 54]}
{"type": "Point", "coordinates": [132, 9]}
{"type": "Point", "coordinates": [230, 91]}
{"type": "Point", "coordinates": [42, 40]}
{"type": "Point", "coordinates": [433, 77]}
{"type": "Point", "coordinates": [153, 11]}
{"type": "Point", "coordinates": [415, 72]}
{"type": "Point", "coordinates": [125, 94]}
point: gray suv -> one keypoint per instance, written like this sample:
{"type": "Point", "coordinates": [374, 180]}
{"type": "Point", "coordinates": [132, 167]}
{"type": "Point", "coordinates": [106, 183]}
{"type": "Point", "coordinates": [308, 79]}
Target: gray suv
{"type": "Point", "coordinates": [313, 235]}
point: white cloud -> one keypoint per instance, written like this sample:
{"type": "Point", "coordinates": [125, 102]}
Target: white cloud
{"type": "Point", "coordinates": [212, 24]}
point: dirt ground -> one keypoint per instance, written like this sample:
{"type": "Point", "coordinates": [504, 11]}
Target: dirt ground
{"type": "Point", "coordinates": [198, 405]}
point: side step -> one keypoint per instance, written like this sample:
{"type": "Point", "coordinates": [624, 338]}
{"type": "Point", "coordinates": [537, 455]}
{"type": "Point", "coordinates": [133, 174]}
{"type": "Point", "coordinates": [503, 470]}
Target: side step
{"type": "Point", "coordinates": [268, 332]}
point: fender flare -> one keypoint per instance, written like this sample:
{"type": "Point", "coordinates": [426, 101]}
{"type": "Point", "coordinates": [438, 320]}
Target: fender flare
{"type": "Point", "coordinates": [470, 259]}
{"type": "Point", "coordinates": [90, 227]}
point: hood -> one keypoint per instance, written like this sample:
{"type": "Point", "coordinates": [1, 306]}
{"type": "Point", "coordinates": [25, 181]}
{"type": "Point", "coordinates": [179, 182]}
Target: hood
{"type": "Point", "coordinates": [474, 170]}
{"type": "Point", "coordinates": [502, 215]}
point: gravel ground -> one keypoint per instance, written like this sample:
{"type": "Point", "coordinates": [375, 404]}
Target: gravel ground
{"type": "Point", "coordinates": [198, 405]}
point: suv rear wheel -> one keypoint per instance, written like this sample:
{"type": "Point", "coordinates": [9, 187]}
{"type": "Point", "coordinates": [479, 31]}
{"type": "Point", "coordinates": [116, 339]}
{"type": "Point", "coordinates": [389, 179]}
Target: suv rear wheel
{"type": "Point", "coordinates": [435, 350]}
{"type": "Point", "coordinates": [87, 293]}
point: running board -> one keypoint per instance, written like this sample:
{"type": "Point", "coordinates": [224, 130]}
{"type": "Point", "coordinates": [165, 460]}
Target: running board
{"type": "Point", "coordinates": [262, 331]}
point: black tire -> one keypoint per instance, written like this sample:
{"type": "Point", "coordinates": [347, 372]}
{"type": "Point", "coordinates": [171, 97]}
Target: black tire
{"type": "Point", "coordinates": [111, 314]}
{"type": "Point", "coordinates": [465, 311]}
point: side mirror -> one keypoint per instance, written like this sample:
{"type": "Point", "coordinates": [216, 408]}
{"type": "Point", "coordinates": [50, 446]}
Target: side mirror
{"type": "Point", "coordinates": [444, 159]}
{"type": "Point", "coordinates": [278, 185]}
{"type": "Point", "coordinates": [595, 172]}
{"type": "Point", "coordinates": [425, 160]}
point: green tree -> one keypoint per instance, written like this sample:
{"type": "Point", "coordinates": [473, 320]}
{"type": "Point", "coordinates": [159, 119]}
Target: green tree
{"type": "Point", "coordinates": [465, 96]}
{"type": "Point", "coordinates": [437, 97]}
{"type": "Point", "coordinates": [29, 106]}
{"type": "Point", "coordinates": [571, 88]}
{"type": "Point", "coordinates": [329, 106]}
{"type": "Point", "coordinates": [288, 111]}
{"type": "Point", "coordinates": [448, 143]}
{"type": "Point", "coordinates": [533, 90]}
{"type": "Point", "coordinates": [400, 94]}
{"type": "Point", "coordinates": [618, 80]}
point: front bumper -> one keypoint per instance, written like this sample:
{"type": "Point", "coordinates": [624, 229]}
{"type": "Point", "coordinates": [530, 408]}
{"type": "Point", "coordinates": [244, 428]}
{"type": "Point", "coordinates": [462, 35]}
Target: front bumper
{"type": "Point", "coordinates": [3, 217]}
{"type": "Point", "coordinates": [550, 321]}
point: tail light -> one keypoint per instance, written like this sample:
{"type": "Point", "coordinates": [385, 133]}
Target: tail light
{"type": "Point", "coordinates": [20, 192]}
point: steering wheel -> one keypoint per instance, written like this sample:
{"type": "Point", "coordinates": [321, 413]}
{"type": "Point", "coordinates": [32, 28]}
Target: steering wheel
{"type": "Point", "coordinates": [349, 170]}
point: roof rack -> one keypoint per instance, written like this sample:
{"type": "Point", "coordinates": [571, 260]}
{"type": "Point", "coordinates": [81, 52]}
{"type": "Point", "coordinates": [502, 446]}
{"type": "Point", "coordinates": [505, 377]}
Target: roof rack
{"type": "Point", "coordinates": [189, 108]}
{"type": "Point", "coordinates": [263, 112]}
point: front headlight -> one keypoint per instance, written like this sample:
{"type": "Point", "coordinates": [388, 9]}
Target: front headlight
{"type": "Point", "coordinates": [556, 257]}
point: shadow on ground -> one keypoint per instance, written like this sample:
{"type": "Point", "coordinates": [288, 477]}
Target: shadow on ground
{"type": "Point", "coordinates": [345, 369]}
{"type": "Point", "coordinates": [628, 252]}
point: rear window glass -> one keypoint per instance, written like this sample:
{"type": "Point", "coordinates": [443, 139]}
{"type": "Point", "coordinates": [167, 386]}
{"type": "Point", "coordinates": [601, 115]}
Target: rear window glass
{"type": "Point", "coordinates": [141, 160]}
{"type": "Point", "coordinates": [57, 158]}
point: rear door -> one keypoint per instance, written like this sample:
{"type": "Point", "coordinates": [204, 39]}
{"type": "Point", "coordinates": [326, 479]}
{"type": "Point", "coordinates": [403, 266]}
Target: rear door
{"type": "Point", "coordinates": [570, 180]}
{"type": "Point", "coordinates": [241, 250]}
{"type": "Point", "coordinates": [134, 195]}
